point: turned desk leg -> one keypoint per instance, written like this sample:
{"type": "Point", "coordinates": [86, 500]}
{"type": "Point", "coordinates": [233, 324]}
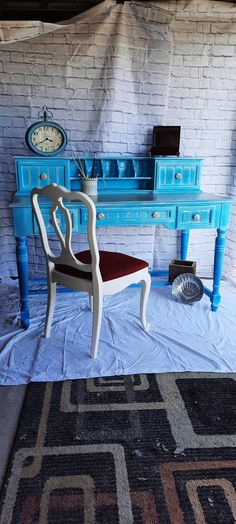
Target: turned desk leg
{"type": "Point", "coordinates": [184, 243]}
{"type": "Point", "coordinates": [22, 266]}
{"type": "Point", "coordinates": [218, 264]}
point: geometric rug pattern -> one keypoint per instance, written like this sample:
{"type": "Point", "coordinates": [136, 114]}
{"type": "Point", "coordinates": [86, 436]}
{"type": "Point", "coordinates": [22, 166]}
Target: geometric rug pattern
{"type": "Point", "coordinates": [145, 449]}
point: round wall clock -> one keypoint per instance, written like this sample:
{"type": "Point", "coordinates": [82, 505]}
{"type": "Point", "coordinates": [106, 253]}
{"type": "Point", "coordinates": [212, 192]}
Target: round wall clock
{"type": "Point", "coordinates": [46, 138]}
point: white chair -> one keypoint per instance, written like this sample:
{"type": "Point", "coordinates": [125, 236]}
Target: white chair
{"type": "Point", "coordinates": [97, 272]}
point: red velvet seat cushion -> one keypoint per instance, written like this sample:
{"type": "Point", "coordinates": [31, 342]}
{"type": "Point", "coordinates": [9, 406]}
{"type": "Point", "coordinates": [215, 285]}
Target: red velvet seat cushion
{"type": "Point", "coordinates": [112, 265]}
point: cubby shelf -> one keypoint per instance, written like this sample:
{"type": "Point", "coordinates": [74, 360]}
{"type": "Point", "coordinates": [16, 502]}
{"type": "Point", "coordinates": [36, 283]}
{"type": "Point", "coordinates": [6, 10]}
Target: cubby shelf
{"type": "Point", "coordinates": [117, 173]}
{"type": "Point", "coordinates": [114, 167]}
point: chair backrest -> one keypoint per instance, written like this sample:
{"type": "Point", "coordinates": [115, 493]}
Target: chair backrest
{"type": "Point", "coordinates": [57, 194]}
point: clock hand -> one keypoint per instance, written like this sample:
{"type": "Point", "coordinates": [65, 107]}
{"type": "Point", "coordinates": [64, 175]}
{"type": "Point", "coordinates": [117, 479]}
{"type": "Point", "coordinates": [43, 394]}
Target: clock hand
{"type": "Point", "coordinates": [44, 140]}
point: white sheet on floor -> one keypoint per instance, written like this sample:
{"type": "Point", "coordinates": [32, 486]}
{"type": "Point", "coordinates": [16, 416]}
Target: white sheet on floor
{"type": "Point", "coordinates": [181, 337]}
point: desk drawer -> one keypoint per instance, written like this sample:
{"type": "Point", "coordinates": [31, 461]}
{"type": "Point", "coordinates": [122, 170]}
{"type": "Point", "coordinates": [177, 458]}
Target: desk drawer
{"type": "Point", "coordinates": [39, 173]}
{"type": "Point", "coordinates": [177, 174]}
{"type": "Point", "coordinates": [75, 217]}
{"type": "Point", "coordinates": [198, 216]}
{"type": "Point", "coordinates": [109, 216]}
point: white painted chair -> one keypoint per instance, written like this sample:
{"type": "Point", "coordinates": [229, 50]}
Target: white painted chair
{"type": "Point", "coordinates": [96, 272]}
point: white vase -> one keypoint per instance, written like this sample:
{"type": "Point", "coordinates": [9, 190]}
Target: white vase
{"type": "Point", "coordinates": [89, 186]}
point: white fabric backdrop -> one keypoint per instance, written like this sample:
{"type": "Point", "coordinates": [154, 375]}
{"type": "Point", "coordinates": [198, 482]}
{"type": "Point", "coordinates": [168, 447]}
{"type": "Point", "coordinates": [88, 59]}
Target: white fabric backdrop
{"type": "Point", "coordinates": [104, 74]}
{"type": "Point", "coordinates": [109, 75]}
{"type": "Point", "coordinates": [181, 337]}
{"type": "Point", "coordinates": [11, 32]}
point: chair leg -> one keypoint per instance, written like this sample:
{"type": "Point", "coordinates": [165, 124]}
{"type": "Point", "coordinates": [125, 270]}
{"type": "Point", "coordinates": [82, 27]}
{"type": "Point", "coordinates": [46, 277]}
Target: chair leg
{"type": "Point", "coordinates": [145, 290]}
{"type": "Point", "coordinates": [50, 308]}
{"type": "Point", "coordinates": [97, 319]}
{"type": "Point", "coordinates": [91, 302]}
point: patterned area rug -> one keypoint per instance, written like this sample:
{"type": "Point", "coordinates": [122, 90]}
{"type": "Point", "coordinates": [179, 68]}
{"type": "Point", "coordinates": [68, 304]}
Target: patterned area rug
{"type": "Point", "coordinates": [145, 449]}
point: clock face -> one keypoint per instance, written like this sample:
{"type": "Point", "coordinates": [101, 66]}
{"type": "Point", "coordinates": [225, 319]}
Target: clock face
{"type": "Point", "coordinates": [46, 138]}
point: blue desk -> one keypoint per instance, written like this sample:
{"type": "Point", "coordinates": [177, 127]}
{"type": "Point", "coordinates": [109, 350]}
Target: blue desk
{"type": "Point", "coordinates": [135, 191]}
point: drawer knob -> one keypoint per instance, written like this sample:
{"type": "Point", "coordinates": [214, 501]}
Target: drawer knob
{"type": "Point", "coordinates": [101, 216]}
{"type": "Point", "coordinates": [156, 214]}
{"type": "Point", "coordinates": [44, 176]}
{"type": "Point", "coordinates": [179, 176]}
{"type": "Point", "coordinates": [196, 217]}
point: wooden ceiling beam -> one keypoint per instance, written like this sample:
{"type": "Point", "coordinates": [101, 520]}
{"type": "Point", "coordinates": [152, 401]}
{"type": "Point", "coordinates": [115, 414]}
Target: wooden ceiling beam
{"type": "Point", "coordinates": [45, 10]}
{"type": "Point", "coordinates": [8, 5]}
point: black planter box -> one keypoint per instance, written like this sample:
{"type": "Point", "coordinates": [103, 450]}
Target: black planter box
{"type": "Point", "coordinates": [178, 267]}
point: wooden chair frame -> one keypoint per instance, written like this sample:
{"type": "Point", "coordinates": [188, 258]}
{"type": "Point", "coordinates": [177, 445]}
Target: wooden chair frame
{"type": "Point", "coordinates": [96, 287]}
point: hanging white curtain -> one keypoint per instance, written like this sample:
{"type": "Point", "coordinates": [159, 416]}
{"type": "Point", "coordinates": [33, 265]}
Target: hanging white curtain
{"type": "Point", "coordinates": [103, 73]}
{"type": "Point", "coordinates": [19, 30]}
{"type": "Point", "coordinates": [11, 32]}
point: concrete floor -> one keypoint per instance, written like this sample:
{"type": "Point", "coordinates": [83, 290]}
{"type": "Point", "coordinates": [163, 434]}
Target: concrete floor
{"type": "Point", "coordinates": [11, 400]}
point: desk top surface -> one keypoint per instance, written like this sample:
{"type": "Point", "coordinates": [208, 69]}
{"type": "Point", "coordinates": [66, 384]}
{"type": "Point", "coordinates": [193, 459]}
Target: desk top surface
{"type": "Point", "coordinates": [139, 197]}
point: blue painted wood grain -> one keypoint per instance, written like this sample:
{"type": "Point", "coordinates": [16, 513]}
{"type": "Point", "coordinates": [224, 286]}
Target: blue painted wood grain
{"type": "Point", "coordinates": [131, 191]}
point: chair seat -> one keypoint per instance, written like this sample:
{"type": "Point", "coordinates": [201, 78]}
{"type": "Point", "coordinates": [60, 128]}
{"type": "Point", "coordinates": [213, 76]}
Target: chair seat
{"type": "Point", "coordinates": [112, 265]}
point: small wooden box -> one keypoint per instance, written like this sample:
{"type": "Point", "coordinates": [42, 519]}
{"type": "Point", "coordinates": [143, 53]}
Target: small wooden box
{"type": "Point", "coordinates": [166, 140]}
{"type": "Point", "coordinates": [177, 267]}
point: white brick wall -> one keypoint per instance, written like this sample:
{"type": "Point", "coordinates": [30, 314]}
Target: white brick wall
{"type": "Point", "coordinates": [108, 80]}
{"type": "Point", "coordinates": [202, 100]}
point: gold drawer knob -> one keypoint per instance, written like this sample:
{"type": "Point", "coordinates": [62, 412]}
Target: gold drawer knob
{"type": "Point", "coordinates": [44, 176]}
{"type": "Point", "coordinates": [101, 216]}
{"type": "Point", "coordinates": [196, 217]}
{"type": "Point", "coordinates": [179, 176]}
{"type": "Point", "coordinates": [156, 214]}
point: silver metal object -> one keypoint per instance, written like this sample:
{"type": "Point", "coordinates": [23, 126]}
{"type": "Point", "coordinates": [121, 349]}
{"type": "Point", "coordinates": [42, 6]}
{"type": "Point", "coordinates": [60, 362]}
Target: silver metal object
{"type": "Point", "coordinates": [187, 288]}
{"type": "Point", "coordinates": [156, 214]}
{"type": "Point", "coordinates": [196, 217]}
{"type": "Point", "coordinates": [179, 176]}
{"type": "Point", "coordinates": [101, 216]}
{"type": "Point", "coordinates": [89, 186]}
